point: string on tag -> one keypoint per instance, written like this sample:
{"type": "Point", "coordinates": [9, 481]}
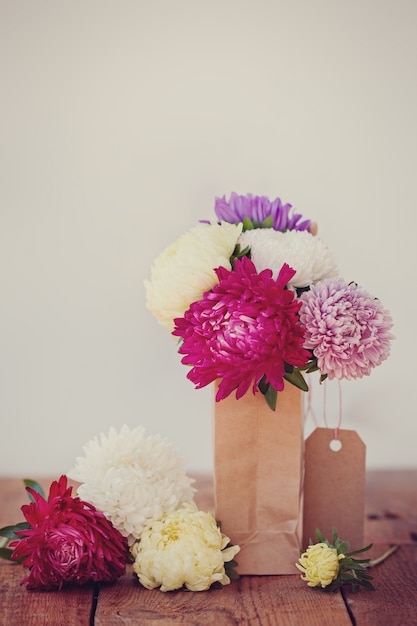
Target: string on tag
{"type": "Point", "coordinates": [309, 408]}
{"type": "Point", "coordinates": [339, 423]}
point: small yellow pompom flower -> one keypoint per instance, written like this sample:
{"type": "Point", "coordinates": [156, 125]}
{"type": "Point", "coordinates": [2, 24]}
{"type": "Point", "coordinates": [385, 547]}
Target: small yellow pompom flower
{"type": "Point", "coordinates": [319, 564]}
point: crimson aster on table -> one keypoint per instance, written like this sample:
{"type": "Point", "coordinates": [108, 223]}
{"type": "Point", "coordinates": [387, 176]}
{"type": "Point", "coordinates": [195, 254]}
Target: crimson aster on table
{"type": "Point", "coordinates": [67, 541]}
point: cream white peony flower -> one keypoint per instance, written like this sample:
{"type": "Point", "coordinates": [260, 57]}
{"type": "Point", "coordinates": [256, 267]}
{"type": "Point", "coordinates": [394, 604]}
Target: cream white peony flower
{"type": "Point", "coordinates": [304, 252]}
{"type": "Point", "coordinates": [133, 480]}
{"type": "Point", "coordinates": [184, 547]}
{"type": "Point", "coordinates": [185, 269]}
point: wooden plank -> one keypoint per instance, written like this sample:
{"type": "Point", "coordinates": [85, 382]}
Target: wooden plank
{"type": "Point", "coordinates": [391, 518]}
{"type": "Point", "coordinates": [391, 506]}
{"type": "Point", "coordinates": [259, 601]}
{"type": "Point", "coordinates": [394, 601]}
{"type": "Point", "coordinates": [252, 600]}
{"type": "Point", "coordinates": [30, 608]}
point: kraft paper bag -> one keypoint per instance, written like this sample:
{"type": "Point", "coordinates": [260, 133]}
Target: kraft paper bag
{"type": "Point", "coordinates": [258, 464]}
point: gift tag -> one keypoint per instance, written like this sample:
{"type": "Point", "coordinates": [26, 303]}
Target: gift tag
{"type": "Point", "coordinates": [334, 486]}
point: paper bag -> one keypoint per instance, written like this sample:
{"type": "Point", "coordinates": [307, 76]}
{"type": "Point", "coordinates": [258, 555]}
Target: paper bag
{"type": "Point", "coordinates": [258, 457]}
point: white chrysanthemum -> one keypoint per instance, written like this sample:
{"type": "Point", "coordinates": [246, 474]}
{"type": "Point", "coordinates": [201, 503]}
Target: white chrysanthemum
{"type": "Point", "coordinates": [184, 547]}
{"type": "Point", "coordinates": [185, 269]}
{"type": "Point", "coordinates": [304, 252]}
{"type": "Point", "coordinates": [133, 480]}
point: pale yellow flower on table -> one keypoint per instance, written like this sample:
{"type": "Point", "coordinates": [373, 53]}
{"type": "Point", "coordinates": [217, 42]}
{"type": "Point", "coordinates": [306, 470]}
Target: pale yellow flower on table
{"type": "Point", "coordinates": [319, 564]}
{"type": "Point", "coordinates": [185, 269]}
{"type": "Point", "coordinates": [183, 548]}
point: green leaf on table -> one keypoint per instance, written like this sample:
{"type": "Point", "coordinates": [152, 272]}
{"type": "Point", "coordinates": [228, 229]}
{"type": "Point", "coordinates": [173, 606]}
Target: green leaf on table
{"type": "Point", "coordinates": [368, 547]}
{"type": "Point", "coordinates": [35, 486]}
{"type": "Point", "coordinates": [9, 531]}
{"type": "Point", "coordinates": [342, 546]}
{"type": "Point", "coordinates": [6, 553]}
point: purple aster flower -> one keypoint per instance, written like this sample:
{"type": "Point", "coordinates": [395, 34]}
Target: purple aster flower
{"type": "Point", "coordinates": [347, 329]}
{"type": "Point", "coordinates": [246, 327]}
{"type": "Point", "coordinates": [257, 209]}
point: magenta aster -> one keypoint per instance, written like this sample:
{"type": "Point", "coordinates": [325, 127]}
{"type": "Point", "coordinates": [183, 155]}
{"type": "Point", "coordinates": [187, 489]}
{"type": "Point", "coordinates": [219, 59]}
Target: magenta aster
{"type": "Point", "coordinates": [347, 329]}
{"type": "Point", "coordinates": [69, 541]}
{"type": "Point", "coordinates": [257, 209]}
{"type": "Point", "coordinates": [246, 327]}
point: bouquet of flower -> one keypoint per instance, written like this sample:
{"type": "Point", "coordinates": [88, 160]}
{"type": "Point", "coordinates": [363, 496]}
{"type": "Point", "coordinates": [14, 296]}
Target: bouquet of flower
{"type": "Point", "coordinates": [256, 299]}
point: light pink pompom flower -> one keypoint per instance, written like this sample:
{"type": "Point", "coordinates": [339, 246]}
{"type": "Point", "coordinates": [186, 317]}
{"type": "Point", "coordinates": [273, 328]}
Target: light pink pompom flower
{"type": "Point", "coordinates": [347, 329]}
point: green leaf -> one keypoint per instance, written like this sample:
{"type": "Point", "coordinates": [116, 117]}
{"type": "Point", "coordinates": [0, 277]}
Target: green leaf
{"type": "Point", "coordinates": [9, 531]}
{"type": "Point", "coordinates": [355, 566]}
{"type": "Point", "coordinates": [263, 386]}
{"type": "Point", "coordinates": [368, 547]}
{"type": "Point", "coordinates": [6, 553]}
{"type": "Point", "coordinates": [35, 486]}
{"type": "Point", "coordinates": [269, 392]}
{"type": "Point", "coordinates": [313, 367]}
{"type": "Point", "coordinates": [319, 536]}
{"type": "Point", "coordinates": [244, 252]}
{"type": "Point", "coordinates": [238, 253]}
{"type": "Point", "coordinates": [297, 379]}
{"type": "Point", "coordinates": [230, 570]}
{"type": "Point", "coordinates": [267, 223]}
{"type": "Point", "coordinates": [247, 224]}
{"type": "Point", "coordinates": [271, 397]}
{"type": "Point", "coordinates": [367, 585]}
{"type": "Point", "coordinates": [342, 547]}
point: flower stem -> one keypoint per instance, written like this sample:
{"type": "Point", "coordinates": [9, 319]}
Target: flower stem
{"type": "Point", "coordinates": [382, 557]}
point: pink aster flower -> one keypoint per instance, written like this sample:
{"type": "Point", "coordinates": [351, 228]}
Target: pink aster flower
{"type": "Point", "coordinates": [246, 327]}
{"type": "Point", "coordinates": [347, 329]}
{"type": "Point", "coordinates": [68, 541]}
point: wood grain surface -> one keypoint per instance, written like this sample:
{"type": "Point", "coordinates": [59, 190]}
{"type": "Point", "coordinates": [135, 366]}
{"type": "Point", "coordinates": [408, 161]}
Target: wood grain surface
{"type": "Point", "coordinates": [391, 518]}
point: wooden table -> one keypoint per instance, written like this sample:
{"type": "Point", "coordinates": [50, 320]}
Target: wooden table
{"type": "Point", "coordinates": [391, 517]}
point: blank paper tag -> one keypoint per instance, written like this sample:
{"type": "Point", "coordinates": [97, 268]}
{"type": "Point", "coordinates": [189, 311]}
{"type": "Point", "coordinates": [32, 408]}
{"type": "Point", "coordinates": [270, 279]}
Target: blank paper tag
{"type": "Point", "coordinates": [334, 486]}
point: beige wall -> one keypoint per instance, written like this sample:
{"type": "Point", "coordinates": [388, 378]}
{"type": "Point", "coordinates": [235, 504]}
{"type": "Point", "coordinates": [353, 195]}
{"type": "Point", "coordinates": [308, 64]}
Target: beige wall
{"type": "Point", "coordinates": [120, 122]}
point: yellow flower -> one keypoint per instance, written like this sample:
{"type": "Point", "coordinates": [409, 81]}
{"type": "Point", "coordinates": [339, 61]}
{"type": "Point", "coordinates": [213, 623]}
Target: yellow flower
{"type": "Point", "coordinates": [319, 564]}
{"type": "Point", "coordinates": [185, 269]}
{"type": "Point", "coordinates": [184, 547]}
